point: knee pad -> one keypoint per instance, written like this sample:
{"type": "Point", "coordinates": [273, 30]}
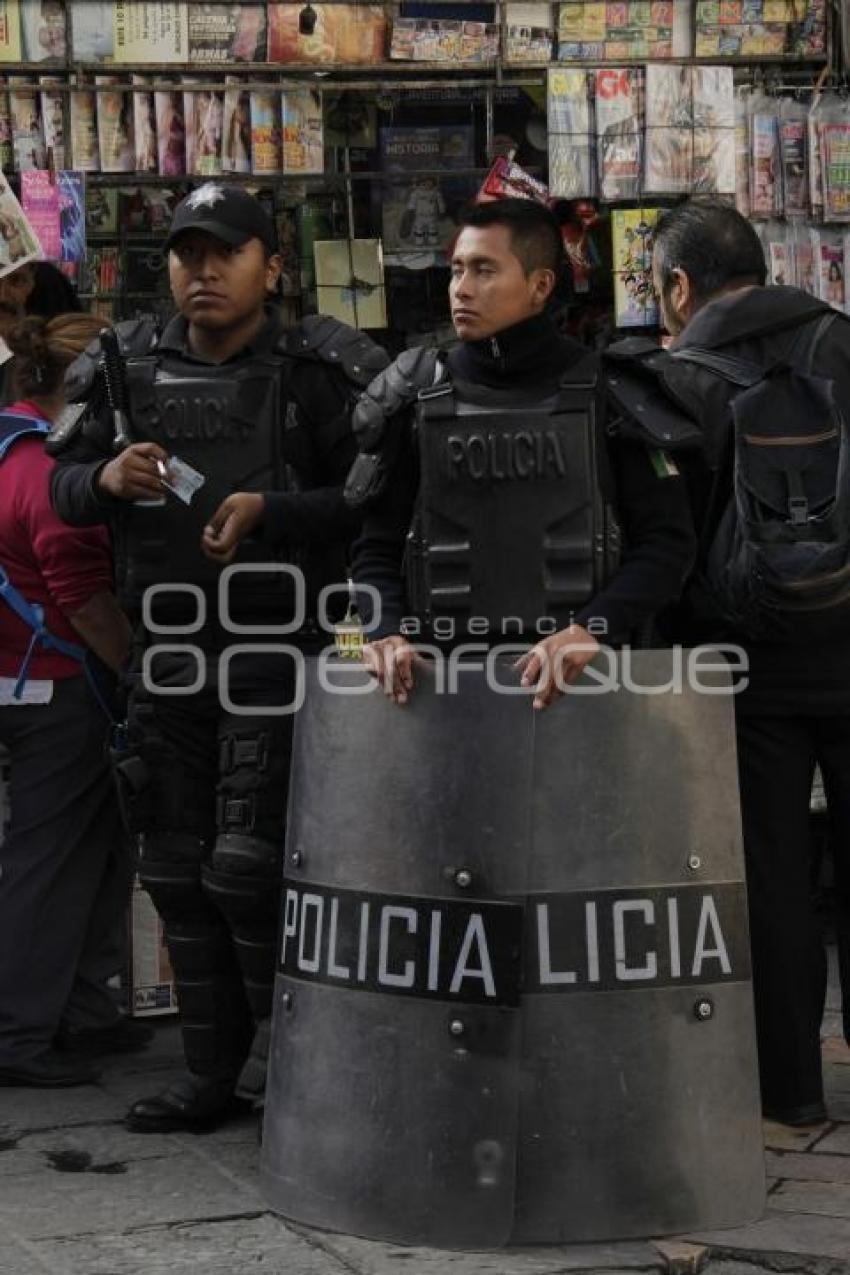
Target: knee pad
{"type": "Point", "coordinates": [254, 758]}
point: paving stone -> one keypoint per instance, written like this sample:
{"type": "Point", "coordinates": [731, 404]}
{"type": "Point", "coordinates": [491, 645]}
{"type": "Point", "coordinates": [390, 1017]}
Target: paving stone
{"type": "Point", "coordinates": [151, 1193]}
{"type": "Point", "coordinates": [830, 1198]}
{"type": "Point", "coordinates": [782, 1138]}
{"type": "Point", "coordinates": [777, 1232]}
{"type": "Point", "coordinates": [835, 1049]}
{"type": "Point", "coordinates": [31, 1109]}
{"type": "Point", "coordinates": [808, 1167]}
{"type": "Point", "coordinates": [16, 1260]}
{"type": "Point", "coordinates": [836, 1142]}
{"type": "Point", "coordinates": [101, 1144]}
{"type": "Point", "coordinates": [367, 1257]}
{"type": "Point", "coordinates": [249, 1246]}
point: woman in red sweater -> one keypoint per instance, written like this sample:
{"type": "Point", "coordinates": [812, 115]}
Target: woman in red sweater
{"type": "Point", "coordinates": [65, 869]}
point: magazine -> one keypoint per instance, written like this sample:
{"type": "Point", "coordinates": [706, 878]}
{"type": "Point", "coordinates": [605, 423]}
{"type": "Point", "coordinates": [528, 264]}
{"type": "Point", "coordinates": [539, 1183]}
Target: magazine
{"type": "Point", "coordinates": [170, 132]}
{"type": "Point", "coordinates": [765, 191]}
{"type": "Point", "coordinates": [53, 120]}
{"type": "Point", "coordinates": [114, 128]}
{"type": "Point", "coordinates": [632, 239]}
{"type": "Point", "coordinates": [6, 147]}
{"type": "Point", "coordinates": [303, 144]}
{"type": "Point", "coordinates": [72, 220]}
{"type": "Point", "coordinates": [92, 32]}
{"type": "Point", "coordinates": [507, 180]}
{"type": "Point", "coordinates": [43, 29]}
{"type": "Point", "coordinates": [84, 148]}
{"type": "Point", "coordinates": [742, 157]}
{"type": "Point", "coordinates": [27, 135]}
{"type": "Point", "coordinates": [101, 210]}
{"type": "Point", "coordinates": [236, 135]}
{"type": "Point", "coordinates": [343, 33]}
{"type": "Point", "coordinates": [266, 156]}
{"type": "Point", "coordinates": [18, 241]}
{"type": "Point", "coordinates": [350, 281]}
{"type": "Point", "coordinates": [571, 151]}
{"type": "Point", "coordinates": [144, 129]}
{"type": "Point", "coordinates": [619, 134]}
{"type": "Point", "coordinates": [40, 202]}
{"type": "Point", "coordinates": [835, 168]}
{"type": "Point", "coordinates": [10, 32]}
{"type": "Point", "coordinates": [151, 31]}
{"type": "Point", "coordinates": [792, 153]}
{"type": "Point", "coordinates": [203, 113]}
{"type": "Point", "coordinates": [780, 262]}
{"type": "Point", "coordinates": [227, 32]}
{"type": "Point", "coordinates": [828, 252]}
{"type": "Point", "coordinates": [416, 205]}
{"type": "Point", "coordinates": [529, 32]}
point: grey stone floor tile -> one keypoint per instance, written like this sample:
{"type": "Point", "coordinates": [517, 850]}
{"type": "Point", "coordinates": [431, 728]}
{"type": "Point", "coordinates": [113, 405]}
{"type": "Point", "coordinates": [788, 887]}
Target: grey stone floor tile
{"type": "Point", "coordinates": [782, 1138]}
{"type": "Point", "coordinates": [81, 1149]}
{"type": "Point", "coordinates": [808, 1167]}
{"type": "Point", "coordinates": [832, 1199]}
{"type": "Point", "coordinates": [248, 1246]}
{"type": "Point", "coordinates": [784, 1233]}
{"type": "Point", "coordinates": [150, 1193]}
{"type": "Point", "coordinates": [31, 1109]}
{"type": "Point", "coordinates": [17, 1260]}
{"type": "Point", "coordinates": [836, 1142]}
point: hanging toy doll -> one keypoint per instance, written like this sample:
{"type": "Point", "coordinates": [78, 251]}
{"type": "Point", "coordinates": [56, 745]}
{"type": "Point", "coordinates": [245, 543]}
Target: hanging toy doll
{"type": "Point", "coordinates": [582, 255]}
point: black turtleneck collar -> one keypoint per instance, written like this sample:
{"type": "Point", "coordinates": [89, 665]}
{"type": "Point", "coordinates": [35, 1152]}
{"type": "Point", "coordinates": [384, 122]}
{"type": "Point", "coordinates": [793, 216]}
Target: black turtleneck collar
{"type": "Point", "coordinates": [516, 357]}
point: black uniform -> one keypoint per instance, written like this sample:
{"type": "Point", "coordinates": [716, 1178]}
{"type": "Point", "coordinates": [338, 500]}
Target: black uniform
{"type": "Point", "coordinates": [642, 511]}
{"type": "Point", "coordinates": [794, 712]}
{"type": "Point", "coordinates": [204, 775]}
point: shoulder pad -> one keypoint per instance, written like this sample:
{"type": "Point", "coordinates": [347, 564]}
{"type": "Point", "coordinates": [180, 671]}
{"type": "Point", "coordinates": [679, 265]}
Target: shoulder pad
{"type": "Point", "coordinates": [326, 339]}
{"type": "Point", "coordinates": [638, 383]}
{"type": "Point", "coordinates": [136, 338]}
{"type": "Point", "coordinates": [395, 388]}
{"type": "Point", "coordinates": [66, 426]}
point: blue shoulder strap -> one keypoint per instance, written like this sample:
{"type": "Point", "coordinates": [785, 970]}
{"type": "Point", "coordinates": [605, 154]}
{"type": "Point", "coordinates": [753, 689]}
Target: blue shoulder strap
{"type": "Point", "coordinates": [13, 427]}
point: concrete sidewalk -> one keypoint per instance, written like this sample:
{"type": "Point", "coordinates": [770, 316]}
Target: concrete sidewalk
{"type": "Point", "coordinates": [79, 1195]}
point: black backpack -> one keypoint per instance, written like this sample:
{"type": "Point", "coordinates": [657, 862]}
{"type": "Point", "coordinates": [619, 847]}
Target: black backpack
{"type": "Point", "coordinates": [777, 559]}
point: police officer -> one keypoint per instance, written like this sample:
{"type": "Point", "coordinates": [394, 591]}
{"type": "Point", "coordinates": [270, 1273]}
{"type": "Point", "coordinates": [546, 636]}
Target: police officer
{"type": "Point", "coordinates": [495, 502]}
{"type": "Point", "coordinates": [223, 440]}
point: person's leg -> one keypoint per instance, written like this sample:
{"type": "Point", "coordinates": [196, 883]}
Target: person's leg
{"type": "Point", "coordinates": [833, 751]}
{"type": "Point", "coordinates": [62, 831]}
{"type": "Point", "coordinates": [776, 762]}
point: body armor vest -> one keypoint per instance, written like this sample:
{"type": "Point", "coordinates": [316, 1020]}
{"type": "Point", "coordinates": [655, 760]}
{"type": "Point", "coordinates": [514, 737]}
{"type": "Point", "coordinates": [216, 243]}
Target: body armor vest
{"type": "Point", "coordinates": [227, 422]}
{"type": "Point", "coordinates": [511, 522]}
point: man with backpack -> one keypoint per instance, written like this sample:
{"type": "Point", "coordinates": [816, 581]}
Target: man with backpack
{"type": "Point", "coordinates": [764, 374]}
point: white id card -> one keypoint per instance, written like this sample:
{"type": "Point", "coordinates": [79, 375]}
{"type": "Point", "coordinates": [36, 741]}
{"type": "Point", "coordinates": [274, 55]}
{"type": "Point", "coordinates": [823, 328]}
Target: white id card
{"type": "Point", "coordinates": [181, 479]}
{"type": "Point", "coordinates": [36, 691]}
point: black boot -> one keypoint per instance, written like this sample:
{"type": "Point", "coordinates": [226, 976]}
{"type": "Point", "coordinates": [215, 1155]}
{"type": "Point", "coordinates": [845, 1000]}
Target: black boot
{"type": "Point", "coordinates": [193, 1104]}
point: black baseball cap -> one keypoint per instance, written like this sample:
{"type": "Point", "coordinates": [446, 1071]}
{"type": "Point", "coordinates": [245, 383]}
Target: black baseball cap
{"type": "Point", "coordinates": [226, 211]}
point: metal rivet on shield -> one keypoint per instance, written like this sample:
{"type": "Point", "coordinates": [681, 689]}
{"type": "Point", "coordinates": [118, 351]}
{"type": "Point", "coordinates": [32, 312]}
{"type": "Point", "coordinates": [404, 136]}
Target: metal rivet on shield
{"type": "Point", "coordinates": [288, 1002]}
{"type": "Point", "coordinates": [703, 1009]}
{"type": "Point", "coordinates": [456, 1027]}
{"type": "Point", "coordinates": [295, 858]}
{"type": "Point", "coordinates": [463, 878]}
{"type": "Point", "coordinates": [694, 862]}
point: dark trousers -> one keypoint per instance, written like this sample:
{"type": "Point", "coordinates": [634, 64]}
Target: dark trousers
{"type": "Point", "coordinates": [776, 759]}
{"type": "Point", "coordinates": [212, 815]}
{"type": "Point", "coordinates": [66, 873]}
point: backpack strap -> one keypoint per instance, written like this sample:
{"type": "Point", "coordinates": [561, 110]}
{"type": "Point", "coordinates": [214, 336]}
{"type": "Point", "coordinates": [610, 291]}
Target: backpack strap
{"type": "Point", "coordinates": [744, 373]}
{"type": "Point", "coordinates": [33, 616]}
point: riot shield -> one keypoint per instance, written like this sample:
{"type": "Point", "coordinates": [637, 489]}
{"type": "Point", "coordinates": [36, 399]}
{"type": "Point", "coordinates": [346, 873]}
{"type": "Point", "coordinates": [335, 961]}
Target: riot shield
{"type": "Point", "coordinates": [513, 1002]}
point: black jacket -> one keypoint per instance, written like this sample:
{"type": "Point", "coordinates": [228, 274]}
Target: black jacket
{"type": "Point", "coordinates": [759, 325]}
{"type": "Point", "coordinates": [652, 511]}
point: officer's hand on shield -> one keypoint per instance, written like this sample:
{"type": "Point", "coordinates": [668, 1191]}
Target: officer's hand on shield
{"type": "Point", "coordinates": [235, 519]}
{"type": "Point", "coordinates": [391, 661]}
{"type": "Point", "coordinates": [552, 666]}
{"type": "Point", "coordinates": [135, 474]}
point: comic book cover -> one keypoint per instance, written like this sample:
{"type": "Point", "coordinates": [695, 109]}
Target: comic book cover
{"type": "Point", "coordinates": [266, 154]}
{"type": "Point", "coordinates": [150, 31]}
{"type": "Point", "coordinates": [40, 202]}
{"type": "Point", "coordinates": [571, 142]}
{"type": "Point", "coordinates": [18, 241]}
{"type": "Point", "coordinates": [765, 192]}
{"type": "Point", "coordinates": [92, 31]}
{"type": "Point", "coordinates": [632, 239]}
{"type": "Point", "coordinates": [114, 127]}
{"type": "Point", "coordinates": [72, 220]}
{"type": "Point", "coordinates": [170, 132]}
{"type": "Point", "coordinates": [144, 128]}
{"type": "Point", "coordinates": [669, 129]}
{"type": "Point", "coordinates": [101, 210]}
{"type": "Point", "coordinates": [795, 178]}
{"type": "Point", "coordinates": [10, 31]}
{"type": "Point", "coordinates": [236, 135]}
{"type": "Point", "coordinates": [350, 281]}
{"type": "Point", "coordinates": [27, 133]}
{"type": "Point", "coordinates": [203, 113]}
{"type": "Point", "coordinates": [53, 120]}
{"type": "Point", "coordinates": [401, 41]}
{"type": "Point", "coordinates": [6, 147]}
{"type": "Point", "coordinates": [417, 204]}
{"type": "Point", "coordinates": [619, 133]}
{"type": "Point", "coordinates": [303, 137]}
{"type": "Point", "coordinates": [530, 32]}
{"type": "Point", "coordinates": [227, 32]}
{"type": "Point", "coordinates": [835, 167]}
{"type": "Point", "coordinates": [84, 149]}
{"type": "Point", "coordinates": [344, 33]}
{"type": "Point", "coordinates": [43, 30]}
